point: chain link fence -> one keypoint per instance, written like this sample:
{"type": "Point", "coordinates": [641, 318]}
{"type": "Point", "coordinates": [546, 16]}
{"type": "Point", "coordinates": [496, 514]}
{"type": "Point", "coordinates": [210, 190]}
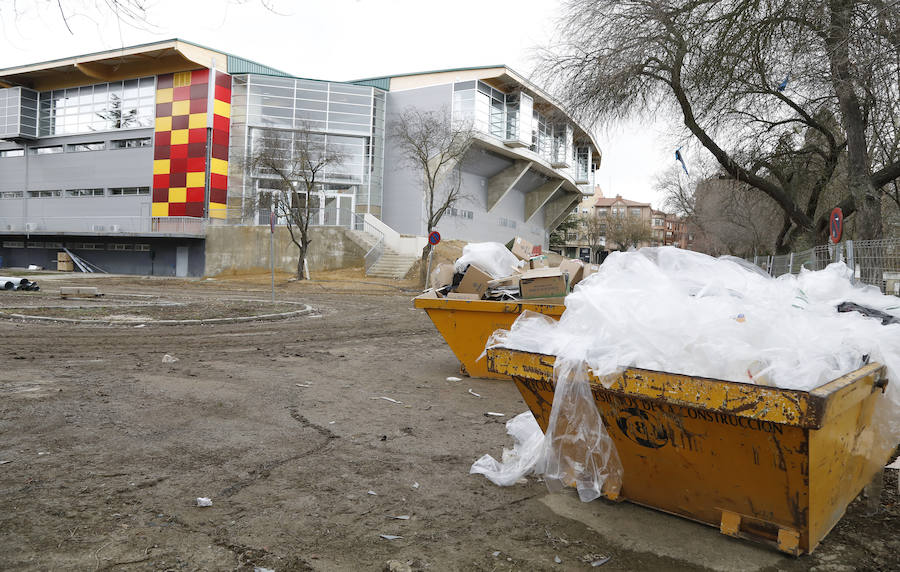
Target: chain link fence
{"type": "Point", "coordinates": [875, 262]}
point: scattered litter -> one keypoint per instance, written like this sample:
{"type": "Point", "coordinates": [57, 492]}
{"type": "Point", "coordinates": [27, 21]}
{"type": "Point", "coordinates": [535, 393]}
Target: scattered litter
{"type": "Point", "coordinates": [169, 359]}
{"type": "Point", "coordinates": [389, 399]}
{"type": "Point", "coordinates": [141, 326]}
{"type": "Point", "coordinates": [390, 536]}
{"type": "Point", "coordinates": [5, 462]}
{"type": "Point", "coordinates": [415, 485]}
{"type": "Point", "coordinates": [495, 414]}
{"type": "Point", "coordinates": [401, 517]}
{"type": "Point", "coordinates": [331, 422]}
{"type": "Point", "coordinates": [453, 379]}
{"type": "Point", "coordinates": [473, 393]}
{"type": "Point", "coordinates": [518, 461]}
{"type": "Point", "coordinates": [204, 501]}
{"type": "Point", "coordinates": [373, 493]}
{"type": "Point", "coordinates": [43, 452]}
{"type": "Point", "coordinates": [557, 559]}
{"type": "Point", "coordinates": [496, 554]}
{"type": "Point", "coordinates": [492, 257]}
{"type": "Point", "coordinates": [303, 384]}
{"type": "Point", "coordinates": [257, 568]}
{"type": "Point", "coordinates": [894, 465]}
{"type": "Point", "coordinates": [35, 267]}
{"type": "Point", "coordinates": [600, 562]}
{"type": "Point", "coordinates": [396, 566]}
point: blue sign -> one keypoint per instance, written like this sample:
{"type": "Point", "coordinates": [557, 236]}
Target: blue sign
{"type": "Point", "coordinates": [434, 238]}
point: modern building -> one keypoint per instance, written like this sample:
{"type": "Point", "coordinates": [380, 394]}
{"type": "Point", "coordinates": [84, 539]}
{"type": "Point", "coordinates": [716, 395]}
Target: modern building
{"type": "Point", "coordinates": [138, 159]}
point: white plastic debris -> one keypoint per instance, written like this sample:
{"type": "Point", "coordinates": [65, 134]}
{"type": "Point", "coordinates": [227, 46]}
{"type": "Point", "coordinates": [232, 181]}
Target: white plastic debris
{"type": "Point", "coordinates": [204, 501]}
{"type": "Point", "coordinates": [373, 493]}
{"type": "Point", "coordinates": [495, 414]}
{"type": "Point", "coordinates": [389, 399]}
{"type": "Point", "coordinates": [674, 310]}
{"type": "Point", "coordinates": [473, 393]}
{"type": "Point", "coordinates": [453, 379]}
{"type": "Point", "coordinates": [303, 384]}
{"type": "Point", "coordinates": [518, 461]}
{"type": "Point", "coordinates": [401, 517]}
{"type": "Point", "coordinates": [257, 568]}
{"type": "Point", "coordinates": [491, 257]}
{"type": "Point", "coordinates": [557, 559]}
{"type": "Point", "coordinates": [169, 359]}
{"type": "Point", "coordinates": [390, 536]}
{"type": "Point", "coordinates": [415, 485]}
{"type": "Point", "coordinates": [141, 326]}
{"type": "Point", "coordinates": [496, 553]}
{"type": "Point", "coordinates": [600, 562]}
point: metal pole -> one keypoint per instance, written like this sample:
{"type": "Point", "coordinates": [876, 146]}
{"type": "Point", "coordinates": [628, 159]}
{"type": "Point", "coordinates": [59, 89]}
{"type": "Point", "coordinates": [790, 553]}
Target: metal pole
{"type": "Point", "coordinates": [428, 274]}
{"type": "Point", "coordinates": [272, 261]}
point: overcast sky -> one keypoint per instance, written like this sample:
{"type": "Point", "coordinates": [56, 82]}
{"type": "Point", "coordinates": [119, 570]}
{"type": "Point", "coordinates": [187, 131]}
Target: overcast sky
{"type": "Point", "coordinates": [341, 40]}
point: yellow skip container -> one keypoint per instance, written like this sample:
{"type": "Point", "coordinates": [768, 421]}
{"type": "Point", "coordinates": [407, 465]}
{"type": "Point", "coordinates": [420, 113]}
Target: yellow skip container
{"type": "Point", "coordinates": [771, 465]}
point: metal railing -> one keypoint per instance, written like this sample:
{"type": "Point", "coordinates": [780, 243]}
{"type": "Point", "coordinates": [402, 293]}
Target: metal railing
{"type": "Point", "coordinates": [377, 250]}
{"type": "Point", "coordinates": [104, 225]}
{"type": "Point", "coordinates": [875, 262]}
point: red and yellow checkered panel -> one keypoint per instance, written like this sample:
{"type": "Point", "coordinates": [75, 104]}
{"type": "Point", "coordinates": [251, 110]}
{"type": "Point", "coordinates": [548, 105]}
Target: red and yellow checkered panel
{"type": "Point", "coordinates": [183, 140]}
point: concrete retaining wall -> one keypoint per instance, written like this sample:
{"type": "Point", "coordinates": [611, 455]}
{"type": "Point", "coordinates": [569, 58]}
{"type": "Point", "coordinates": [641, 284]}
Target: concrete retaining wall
{"type": "Point", "coordinates": [246, 248]}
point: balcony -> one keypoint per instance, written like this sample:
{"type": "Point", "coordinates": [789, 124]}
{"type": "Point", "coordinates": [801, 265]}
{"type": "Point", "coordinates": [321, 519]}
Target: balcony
{"type": "Point", "coordinates": [180, 226]}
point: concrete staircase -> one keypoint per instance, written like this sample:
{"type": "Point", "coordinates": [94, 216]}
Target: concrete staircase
{"type": "Point", "coordinates": [392, 265]}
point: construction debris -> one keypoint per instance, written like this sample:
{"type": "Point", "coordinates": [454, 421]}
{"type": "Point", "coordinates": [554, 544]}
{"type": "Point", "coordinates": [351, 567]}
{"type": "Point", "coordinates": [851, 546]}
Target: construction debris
{"type": "Point", "coordinates": [18, 283]}
{"type": "Point", "coordinates": [66, 292]}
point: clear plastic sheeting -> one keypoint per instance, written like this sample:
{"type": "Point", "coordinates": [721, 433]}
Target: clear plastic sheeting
{"type": "Point", "coordinates": [524, 458]}
{"type": "Point", "coordinates": [684, 312]}
{"type": "Point", "coordinates": [491, 257]}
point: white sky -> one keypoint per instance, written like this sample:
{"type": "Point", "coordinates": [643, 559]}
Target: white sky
{"type": "Point", "coordinates": [341, 40]}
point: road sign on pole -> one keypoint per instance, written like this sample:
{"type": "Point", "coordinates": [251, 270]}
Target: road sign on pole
{"type": "Point", "coordinates": [434, 238]}
{"type": "Point", "coordinates": [272, 219]}
{"type": "Point", "coordinates": [836, 225]}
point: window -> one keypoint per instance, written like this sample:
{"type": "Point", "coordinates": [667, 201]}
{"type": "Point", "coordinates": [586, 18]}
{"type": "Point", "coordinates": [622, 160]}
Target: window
{"type": "Point", "coordinates": [131, 143]}
{"type": "Point", "coordinates": [34, 245]}
{"type": "Point", "coordinates": [121, 247]}
{"type": "Point", "coordinates": [129, 191]}
{"type": "Point", "coordinates": [507, 222]}
{"type": "Point", "coordinates": [13, 244]}
{"type": "Point", "coordinates": [77, 147]}
{"type": "Point", "coordinates": [46, 150]}
{"type": "Point", "coordinates": [602, 212]}
{"type": "Point", "coordinates": [86, 246]}
{"type": "Point", "coordinates": [635, 212]}
{"type": "Point", "coordinates": [461, 213]}
{"type": "Point", "coordinates": [12, 153]}
{"type": "Point", "coordinates": [99, 107]}
{"type": "Point", "coordinates": [44, 194]}
{"type": "Point", "coordinates": [142, 247]}
{"type": "Point", "coordinates": [85, 193]}
{"type": "Point", "coordinates": [12, 195]}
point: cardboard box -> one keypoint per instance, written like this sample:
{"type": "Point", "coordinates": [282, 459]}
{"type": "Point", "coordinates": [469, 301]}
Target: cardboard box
{"type": "Point", "coordinates": [463, 296]}
{"type": "Point", "coordinates": [475, 281]}
{"type": "Point", "coordinates": [574, 268]}
{"type": "Point", "coordinates": [543, 283]}
{"type": "Point", "coordinates": [63, 257]}
{"type": "Point", "coordinates": [442, 275]}
{"type": "Point", "coordinates": [589, 269]}
{"type": "Point", "coordinates": [524, 249]}
{"type": "Point", "coordinates": [508, 282]}
{"type": "Point", "coordinates": [65, 266]}
{"type": "Point", "coordinates": [538, 262]}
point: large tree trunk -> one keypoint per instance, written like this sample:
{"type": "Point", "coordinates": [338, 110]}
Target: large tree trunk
{"type": "Point", "coordinates": [867, 219]}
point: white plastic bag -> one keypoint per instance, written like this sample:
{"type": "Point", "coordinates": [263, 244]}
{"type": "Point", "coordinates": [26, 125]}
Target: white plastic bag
{"type": "Point", "coordinates": [525, 457]}
{"type": "Point", "coordinates": [491, 257]}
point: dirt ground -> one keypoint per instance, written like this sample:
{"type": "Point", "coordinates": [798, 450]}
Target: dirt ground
{"type": "Point", "coordinates": [105, 449]}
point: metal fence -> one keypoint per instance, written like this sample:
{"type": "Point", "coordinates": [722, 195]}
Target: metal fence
{"type": "Point", "coordinates": [875, 262]}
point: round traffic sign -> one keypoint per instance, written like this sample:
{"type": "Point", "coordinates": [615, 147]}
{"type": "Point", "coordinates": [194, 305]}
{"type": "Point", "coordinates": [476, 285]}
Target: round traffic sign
{"type": "Point", "coordinates": [836, 225]}
{"type": "Point", "coordinates": [434, 238]}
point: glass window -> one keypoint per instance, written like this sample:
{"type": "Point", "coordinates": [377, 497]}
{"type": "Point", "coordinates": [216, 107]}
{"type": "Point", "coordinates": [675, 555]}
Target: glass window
{"type": "Point", "coordinates": [46, 150]}
{"type": "Point", "coordinates": [100, 107]}
{"type": "Point", "coordinates": [12, 195]}
{"type": "Point", "coordinates": [44, 194]}
{"type": "Point", "coordinates": [86, 147]}
{"type": "Point", "coordinates": [129, 191]}
{"type": "Point", "coordinates": [85, 193]}
{"type": "Point", "coordinates": [12, 153]}
{"type": "Point", "coordinates": [131, 143]}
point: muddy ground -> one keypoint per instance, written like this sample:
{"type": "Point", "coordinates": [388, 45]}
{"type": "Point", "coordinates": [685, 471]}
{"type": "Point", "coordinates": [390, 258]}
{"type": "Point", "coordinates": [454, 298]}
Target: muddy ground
{"type": "Point", "coordinates": [105, 449]}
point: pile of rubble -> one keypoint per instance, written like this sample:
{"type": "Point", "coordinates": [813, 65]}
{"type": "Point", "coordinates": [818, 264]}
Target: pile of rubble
{"type": "Point", "coordinates": [491, 271]}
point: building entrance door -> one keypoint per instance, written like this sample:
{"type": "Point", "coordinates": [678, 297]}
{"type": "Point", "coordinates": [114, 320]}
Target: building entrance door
{"type": "Point", "coordinates": [181, 261]}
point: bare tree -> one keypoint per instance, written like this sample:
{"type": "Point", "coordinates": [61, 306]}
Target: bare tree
{"type": "Point", "coordinates": [433, 145]}
{"type": "Point", "coordinates": [292, 164]}
{"type": "Point", "coordinates": [779, 92]}
{"type": "Point", "coordinates": [625, 231]}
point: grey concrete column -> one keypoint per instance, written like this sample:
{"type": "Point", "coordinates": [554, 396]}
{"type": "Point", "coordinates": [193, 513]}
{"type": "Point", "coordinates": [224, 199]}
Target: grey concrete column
{"type": "Point", "coordinates": [536, 199]}
{"type": "Point", "coordinates": [558, 209]}
{"type": "Point", "coordinates": [502, 183]}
